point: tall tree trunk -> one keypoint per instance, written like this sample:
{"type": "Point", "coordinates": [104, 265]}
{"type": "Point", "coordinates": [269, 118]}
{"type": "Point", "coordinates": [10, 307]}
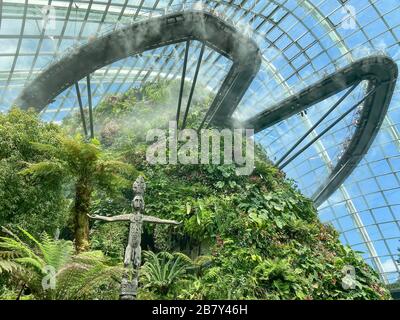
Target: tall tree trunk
{"type": "Point", "coordinates": [80, 211]}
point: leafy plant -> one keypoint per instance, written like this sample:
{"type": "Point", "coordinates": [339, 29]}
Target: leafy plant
{"type": "Point", "coordinates": [23, 201]}
{"type": "Point", "coordinates": [163, 271]}
{"type": "Point", "coordinates": [88, 167]}
{"type": "Point", "coordinates": [48, 269]}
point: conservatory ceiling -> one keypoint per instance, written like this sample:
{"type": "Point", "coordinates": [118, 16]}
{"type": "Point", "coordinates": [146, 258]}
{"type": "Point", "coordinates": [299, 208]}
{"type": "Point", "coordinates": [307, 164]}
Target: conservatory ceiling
{"type": "Point", "coordinates": [301, 41]}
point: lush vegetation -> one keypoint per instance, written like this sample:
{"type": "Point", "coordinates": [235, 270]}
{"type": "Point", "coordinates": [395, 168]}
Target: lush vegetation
{"type": "Point", "coordinates": [49, 270]}
{"type": "Point", "coordinates": [24, 202]}
{"type": "Point", "coordinates": [87, 166]}
{"type": "Point", "coordinates": [241, 237]}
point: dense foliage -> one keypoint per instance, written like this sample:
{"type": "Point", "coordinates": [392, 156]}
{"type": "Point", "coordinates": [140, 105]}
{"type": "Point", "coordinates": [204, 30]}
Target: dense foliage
{"type": "Point", "coordinates": [264, 237]}
{"type": "Point", "coordinates": [47, 268]}
{"type": "Point", "coordinates": [84, 164]}
{"type": "Point", "coordinates": [24, 202]}
{"type": "Point", "coordinates": [241, 237]}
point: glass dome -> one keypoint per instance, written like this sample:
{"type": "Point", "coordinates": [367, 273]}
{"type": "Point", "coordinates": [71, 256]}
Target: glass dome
{"type": "Point", "coordinates": [301, 41]}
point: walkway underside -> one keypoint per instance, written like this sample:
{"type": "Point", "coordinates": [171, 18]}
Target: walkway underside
{"type": "Point", "coordinates": [381, 73]}
{"type": "Point", "coordinates": [151, 34]}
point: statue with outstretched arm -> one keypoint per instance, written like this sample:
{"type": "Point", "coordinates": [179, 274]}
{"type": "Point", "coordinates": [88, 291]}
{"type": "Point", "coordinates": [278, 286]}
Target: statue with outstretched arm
{"type": "Point", "coordinates": [133, 250]}
{"type": "Point", "coordinates": [126, 217]}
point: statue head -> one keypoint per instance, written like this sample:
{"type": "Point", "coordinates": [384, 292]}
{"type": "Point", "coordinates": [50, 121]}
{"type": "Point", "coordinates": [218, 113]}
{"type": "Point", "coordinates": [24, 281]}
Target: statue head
{"type": "Point", "coordinates": [139, 186]}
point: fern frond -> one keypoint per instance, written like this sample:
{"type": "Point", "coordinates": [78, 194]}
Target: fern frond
{"type": "Point", "coordinates": [56, 253]}
{"type": "Point", "coordinates": [203, 260]}
{"type": "Point", "coordinates": [29, 236]}
{"type": "Point", "coordinates": [18, 247]}
{"type": "Point", "coordinates": [78, 279]}
{"type": "Point", "coordinates": [183, 257]}
{"type": "Point", "coordinates": [114, 166]}
{"type": "Point", "coordinates": [30, 262]}
{"type": "Point", "coordinates": [213, 273]}
{"type": "Point", "coordinates": [45, 148]}
{"type": "Point", "coordinates": [46, 169]}
{"type": "Point", "coordinates": [8, 255]}
{"type": "Point", "coordinates": [9, 266]}
{"type": "Point", "coordinates": [90, 257]}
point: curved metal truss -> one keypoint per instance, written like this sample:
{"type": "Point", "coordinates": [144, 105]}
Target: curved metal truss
{"type": "Point", "coordinates": [146, 35]}
{"type": "Point", "coordinates": [381, 74]}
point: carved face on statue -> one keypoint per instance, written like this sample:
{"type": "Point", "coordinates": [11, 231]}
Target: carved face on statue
{"type": "Point", "coordinates": [138, 203]}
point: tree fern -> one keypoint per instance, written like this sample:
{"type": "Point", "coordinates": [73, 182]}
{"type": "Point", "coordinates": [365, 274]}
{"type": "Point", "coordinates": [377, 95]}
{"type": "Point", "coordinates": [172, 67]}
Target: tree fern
{"type": "Point", "coordinates": [88, 167]}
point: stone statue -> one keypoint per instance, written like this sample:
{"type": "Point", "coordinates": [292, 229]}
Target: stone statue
{"type": "Point", "coordinates": [132, 259]}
